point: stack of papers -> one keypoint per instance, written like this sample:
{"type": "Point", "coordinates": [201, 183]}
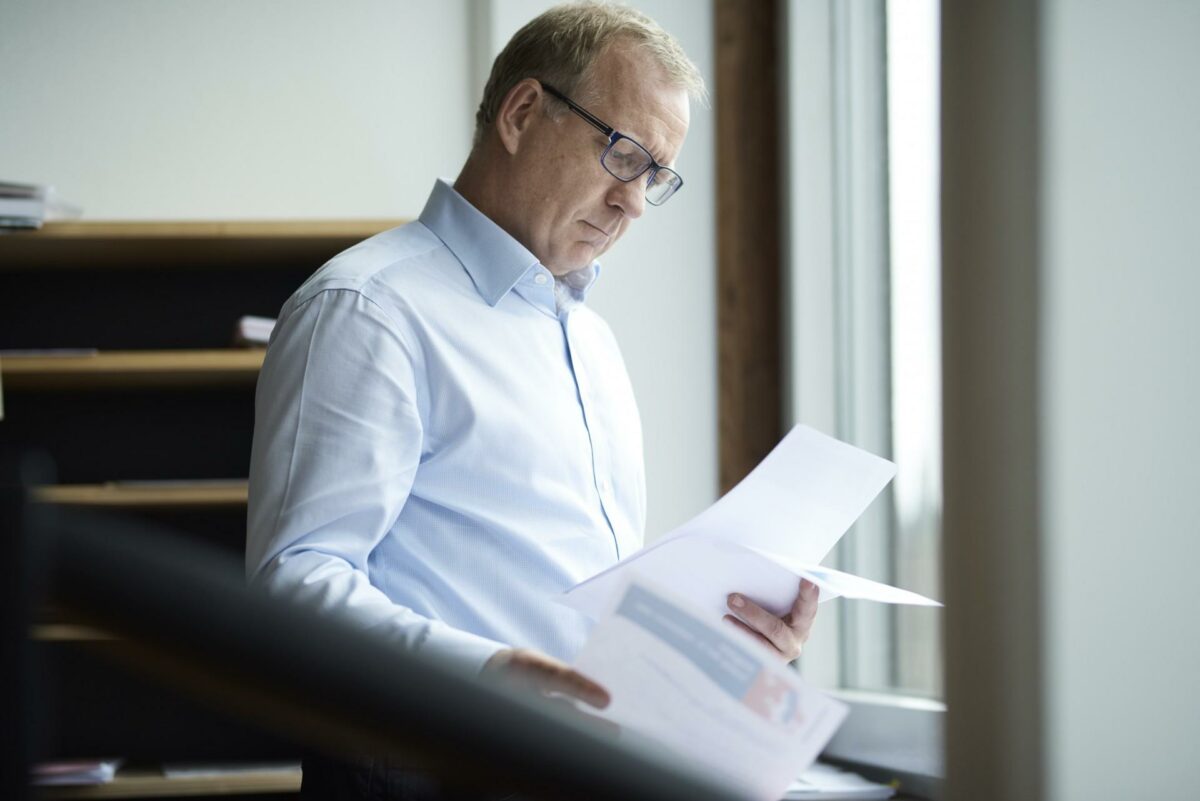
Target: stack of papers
{"type": "Point", "coordinates": [764, 535]}
{"type": "Point", "coordinates": [208, 770]}
{"type": "Point", "coordinates": [29, 205]}
{"type": "Point", "coordinates": [98, 771]}
{"type": "Point", "coordinates": [706, 693]}
{"type": "Point", "coordinates": [685, 681]}
{"type": "Point", "coordinates": [827, 783]}
{"type": "Point", "coordinates": [253, 331]}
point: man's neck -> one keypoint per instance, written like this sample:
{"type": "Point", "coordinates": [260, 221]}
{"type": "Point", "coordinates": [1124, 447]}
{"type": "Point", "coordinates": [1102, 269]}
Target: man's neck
{"type": "Point", "coordinates": [479, 186]}
{"type": "Point", "coordinates": [489, 191]}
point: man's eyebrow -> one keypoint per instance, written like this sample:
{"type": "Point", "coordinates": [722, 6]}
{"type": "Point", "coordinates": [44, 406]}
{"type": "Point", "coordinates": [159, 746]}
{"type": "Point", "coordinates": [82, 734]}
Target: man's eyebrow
{"type": "Point", "coordinates": [654, 151]}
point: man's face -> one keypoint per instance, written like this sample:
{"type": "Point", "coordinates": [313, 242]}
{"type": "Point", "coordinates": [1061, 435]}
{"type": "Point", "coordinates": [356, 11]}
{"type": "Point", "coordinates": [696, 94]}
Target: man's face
{"type": "Point", "coordinates": [574, 209]}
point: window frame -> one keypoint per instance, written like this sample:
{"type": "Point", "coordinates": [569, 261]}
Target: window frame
{"type": "Point", "coordinates": [836, 255]}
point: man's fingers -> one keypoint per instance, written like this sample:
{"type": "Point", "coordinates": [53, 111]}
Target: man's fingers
{"type": "Point", "coordinates": [573, 683]}
{"type": "Point", "coordinates": [545, 674]}
{"type": "Point", "coordinates": [808, 591]}
{"type": "Point", "coordinates": [807, 600]}
{"type": "Point", "coordinates": [739, 624]}
{"type": "Point", "coordinates": [774, 628]}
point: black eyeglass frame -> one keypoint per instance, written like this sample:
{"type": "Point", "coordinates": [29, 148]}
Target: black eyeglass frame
{"type": "Point", "coordinates": [615, 136]}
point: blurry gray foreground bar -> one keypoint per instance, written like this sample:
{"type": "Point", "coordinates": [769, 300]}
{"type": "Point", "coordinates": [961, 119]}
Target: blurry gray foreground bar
{"type": "Point", "coordinates": [189, 620]}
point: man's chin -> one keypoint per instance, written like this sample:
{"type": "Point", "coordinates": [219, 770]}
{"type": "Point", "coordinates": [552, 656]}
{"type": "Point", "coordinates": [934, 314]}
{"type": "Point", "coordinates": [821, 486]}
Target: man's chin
{"type": "Point", "coordinates": [590, 251]}
{"type": "Point", "coordinates": [576, 259]}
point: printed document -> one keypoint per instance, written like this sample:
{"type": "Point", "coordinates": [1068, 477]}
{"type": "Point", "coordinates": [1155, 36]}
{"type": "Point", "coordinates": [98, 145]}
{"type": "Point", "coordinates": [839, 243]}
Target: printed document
{"type": "Point", "coordinates": [765, 534]}
{"type": "Point", "coordinates": [707, 693]}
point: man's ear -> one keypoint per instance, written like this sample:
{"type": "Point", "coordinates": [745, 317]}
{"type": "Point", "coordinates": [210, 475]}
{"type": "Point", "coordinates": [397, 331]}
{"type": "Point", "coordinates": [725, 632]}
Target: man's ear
{"type": "Point", "coordinates": [518, 111]}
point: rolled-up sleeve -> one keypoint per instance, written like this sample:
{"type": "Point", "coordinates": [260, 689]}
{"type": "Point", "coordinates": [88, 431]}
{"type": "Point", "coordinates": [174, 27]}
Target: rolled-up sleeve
{"type": "Point", "coordinates": [337, 443]}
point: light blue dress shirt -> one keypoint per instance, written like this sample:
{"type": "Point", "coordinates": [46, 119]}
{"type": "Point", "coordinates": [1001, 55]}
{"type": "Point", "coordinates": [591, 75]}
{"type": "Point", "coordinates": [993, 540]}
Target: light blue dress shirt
{"type": "Point", "coordinates": [443, 442]}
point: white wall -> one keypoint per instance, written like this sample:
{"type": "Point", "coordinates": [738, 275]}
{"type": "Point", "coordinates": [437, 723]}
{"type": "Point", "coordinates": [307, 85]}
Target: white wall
{"type": "Point", "coordinates": [1121, 402]}
{"type": "Point", "coordinates": [138, 109]}
{"type": "Point", "coordinates": [142, 109]}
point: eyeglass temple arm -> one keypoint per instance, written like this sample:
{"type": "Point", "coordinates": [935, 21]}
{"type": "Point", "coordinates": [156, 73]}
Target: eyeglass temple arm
{"type": "Point", "coordinates": [595, 122]}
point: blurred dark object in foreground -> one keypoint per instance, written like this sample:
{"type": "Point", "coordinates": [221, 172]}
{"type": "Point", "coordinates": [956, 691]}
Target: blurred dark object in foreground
{"type": "Point", "coordinates": [185, 618]}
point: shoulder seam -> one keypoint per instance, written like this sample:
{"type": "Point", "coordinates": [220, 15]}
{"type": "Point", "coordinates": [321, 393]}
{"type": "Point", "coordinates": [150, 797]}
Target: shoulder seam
{"type": "Point", "coordinates": [356, 290]}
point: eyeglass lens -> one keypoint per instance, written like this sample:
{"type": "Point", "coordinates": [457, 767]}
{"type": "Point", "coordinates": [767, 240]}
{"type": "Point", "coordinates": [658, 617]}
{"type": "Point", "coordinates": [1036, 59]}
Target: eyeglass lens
{"type": "Point", "coordinates": [662, 186]}
{"type": "Point", "coordinates": [626, 160]}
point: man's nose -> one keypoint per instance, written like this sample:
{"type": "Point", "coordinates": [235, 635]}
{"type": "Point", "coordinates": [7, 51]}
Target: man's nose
{"type": "Point", "coordinates": [629, 196]}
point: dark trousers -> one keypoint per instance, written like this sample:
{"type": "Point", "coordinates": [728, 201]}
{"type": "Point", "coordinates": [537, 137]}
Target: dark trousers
{"type": "Point", "coordinates": [378, 779]}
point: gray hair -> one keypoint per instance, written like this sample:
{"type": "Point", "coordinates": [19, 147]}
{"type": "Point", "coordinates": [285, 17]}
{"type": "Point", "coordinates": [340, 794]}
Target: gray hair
{"type": "Point", "coordinates": [560, 45]}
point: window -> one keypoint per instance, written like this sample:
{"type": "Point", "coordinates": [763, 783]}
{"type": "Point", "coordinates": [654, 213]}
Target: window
{"type": "Point", "coordinates": [913, 144]}
{"type": "Point", "coordinates": [864, 359]}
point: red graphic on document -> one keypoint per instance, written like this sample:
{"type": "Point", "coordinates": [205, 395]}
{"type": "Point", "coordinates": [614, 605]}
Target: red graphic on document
{"type": "Point", "coordinates": [772, 698]}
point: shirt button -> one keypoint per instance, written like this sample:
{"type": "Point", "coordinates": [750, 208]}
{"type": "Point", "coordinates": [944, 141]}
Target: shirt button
{"type": "Point", "coordinates": [540, 279]}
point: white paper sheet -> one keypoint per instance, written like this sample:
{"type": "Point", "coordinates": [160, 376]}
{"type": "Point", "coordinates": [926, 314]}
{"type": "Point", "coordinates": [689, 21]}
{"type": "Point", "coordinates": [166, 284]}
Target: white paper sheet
{"type": "Point", "coordinates": [707, 693]}
{"type": "Point", "coordinates": [827, 783]}
{"type": "Point", "coordinates": [765, 534]}
{"type": "Point", "coordinates": [799, 500]}
{"type": "Point", "coordinates": [834, 583]}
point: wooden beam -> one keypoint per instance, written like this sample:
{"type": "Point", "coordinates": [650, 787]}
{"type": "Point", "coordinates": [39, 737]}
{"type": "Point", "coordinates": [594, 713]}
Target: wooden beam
{"type": "Point", "coordinates": [749, 228]}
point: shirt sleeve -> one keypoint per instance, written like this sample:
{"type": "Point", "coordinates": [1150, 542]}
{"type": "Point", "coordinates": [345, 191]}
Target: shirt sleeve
{"type": "Point", "coordinates": [337, 443]}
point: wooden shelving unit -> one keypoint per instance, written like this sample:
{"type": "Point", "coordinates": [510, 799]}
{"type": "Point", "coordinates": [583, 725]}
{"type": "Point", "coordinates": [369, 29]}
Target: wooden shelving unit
{"type": "Point", "coordinates": [165, 368]}
{"type": "Point", "coordinates": [152, 784]}
{"type": "Point", "coordinates": [199, 495]}
{"type": "Point", "coordinates": [152, 425]}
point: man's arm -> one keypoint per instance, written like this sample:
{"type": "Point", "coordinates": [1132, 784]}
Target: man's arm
{"type": "Point", "coordinates": [337, 442]}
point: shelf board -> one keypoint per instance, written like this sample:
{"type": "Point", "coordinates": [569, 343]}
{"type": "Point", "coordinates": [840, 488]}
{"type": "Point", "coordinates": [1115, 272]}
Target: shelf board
{"type": "Point", "coordinates": [150, 368]}
{"type": "Point", "coordinates": [149, 783]}
{"type": "Point", "coordinates": [208, 229]}
{"type": "Point", "coordinates": [68, 632]}
{"type": "Point", "coordinates": [147, 495]}
{"type": "Point", "coordinates": [182, 244]}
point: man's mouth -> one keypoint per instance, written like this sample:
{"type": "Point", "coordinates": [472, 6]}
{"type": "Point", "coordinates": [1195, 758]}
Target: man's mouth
{"type": "Point", "coordinates": [598, 228]}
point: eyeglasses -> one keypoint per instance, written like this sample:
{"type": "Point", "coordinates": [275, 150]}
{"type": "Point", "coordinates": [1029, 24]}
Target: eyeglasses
{"type": "Point", "coordinates": [625, 159]}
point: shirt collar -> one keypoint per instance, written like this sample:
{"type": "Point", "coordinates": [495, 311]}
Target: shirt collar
{"type": "Point", "coordinates": [571, 289]}
{"type": "Point", "coordinates": [495, 260]}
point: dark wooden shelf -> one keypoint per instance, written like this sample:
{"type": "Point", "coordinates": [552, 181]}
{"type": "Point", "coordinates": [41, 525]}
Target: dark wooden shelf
{"type": "Point", "coordinates": [152, 368]}
{"type": "Point", "coordinates": [68, 632]}
{"type": "Point", "coordinates": [148, 783]}
{"type": "Point", "coordinates": [147, 495]}
{"type": "Point", "coordinates": [172, 245]}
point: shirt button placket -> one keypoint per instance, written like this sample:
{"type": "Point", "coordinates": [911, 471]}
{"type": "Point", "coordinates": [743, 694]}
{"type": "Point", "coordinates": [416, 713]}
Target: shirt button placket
{"type": "Point", "coordinates": [596, 433]}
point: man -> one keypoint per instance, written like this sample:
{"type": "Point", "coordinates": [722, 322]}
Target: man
{"type": "Point", "coordinates": [446, 437]}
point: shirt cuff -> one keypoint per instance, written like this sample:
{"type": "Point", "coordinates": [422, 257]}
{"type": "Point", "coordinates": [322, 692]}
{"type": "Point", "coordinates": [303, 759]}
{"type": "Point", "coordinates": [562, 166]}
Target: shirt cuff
{"type": "Point", "coordinates": [463, 650]}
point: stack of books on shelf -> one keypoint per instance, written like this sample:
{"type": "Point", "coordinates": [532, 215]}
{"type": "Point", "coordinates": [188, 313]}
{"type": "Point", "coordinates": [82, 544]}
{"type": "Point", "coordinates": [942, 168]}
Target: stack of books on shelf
{"type": "Point", "coordinates": [252, 332]}
{"type": "Point", "coordinates": [83, 771]}
{"type": "Point", "coordinates": [30, 205]}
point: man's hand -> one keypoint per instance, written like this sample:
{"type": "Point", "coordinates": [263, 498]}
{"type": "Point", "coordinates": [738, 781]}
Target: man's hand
{"type": "Point", "coordinates": [544, 675]}
{"type": "Point", "coordinates": [785, 635]}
